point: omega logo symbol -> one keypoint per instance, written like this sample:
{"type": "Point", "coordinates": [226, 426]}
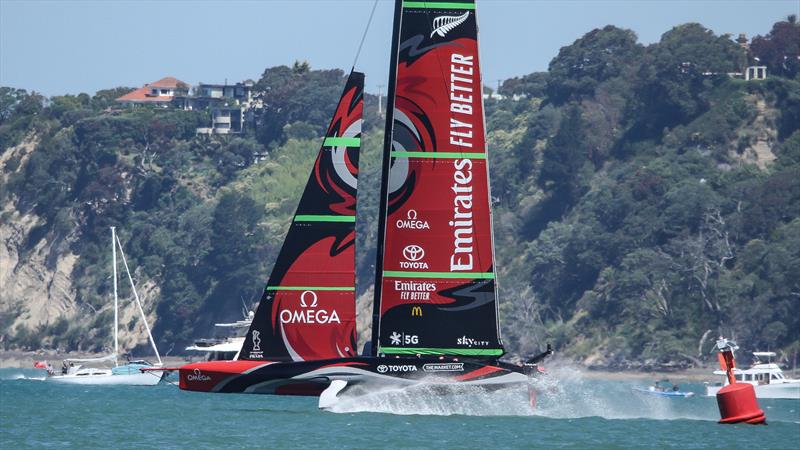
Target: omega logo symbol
{"type": "Point", "coordinates": [412, 214]}
{"type": "Point", "coordinates": [313, 296]}
{"type": "Point", "coordinates": [413, 252]}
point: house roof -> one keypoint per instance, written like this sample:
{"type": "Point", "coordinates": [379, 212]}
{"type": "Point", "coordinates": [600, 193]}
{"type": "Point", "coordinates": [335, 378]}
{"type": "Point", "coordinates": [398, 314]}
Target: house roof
{"type": "Point", "coordinates": [166, 82]}
{"type": "Point", "coordinates": [142, 95]}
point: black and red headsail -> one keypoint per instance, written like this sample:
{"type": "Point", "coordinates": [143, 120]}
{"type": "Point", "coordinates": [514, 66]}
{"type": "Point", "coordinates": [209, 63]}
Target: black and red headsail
{"type": "Point", "coordinates": [308, 308]}
{"type": "Point", "coordinates": [435, 286]}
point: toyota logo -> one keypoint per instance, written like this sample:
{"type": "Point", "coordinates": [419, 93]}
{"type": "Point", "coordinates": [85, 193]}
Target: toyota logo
{"type": "Point", "coordinates": [413, 252]}
{"type": "Point", "coordinates": [382, 368]}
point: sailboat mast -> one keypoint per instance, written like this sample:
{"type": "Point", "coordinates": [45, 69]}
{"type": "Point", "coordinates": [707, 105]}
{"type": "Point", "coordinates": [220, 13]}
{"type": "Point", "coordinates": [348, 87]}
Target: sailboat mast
{"type": "Point", "coordinates": [138, 302]}
{"type": "Point", "coordinates": [116, 300]}
{"type": "Point", "coordinates": [387, 162]}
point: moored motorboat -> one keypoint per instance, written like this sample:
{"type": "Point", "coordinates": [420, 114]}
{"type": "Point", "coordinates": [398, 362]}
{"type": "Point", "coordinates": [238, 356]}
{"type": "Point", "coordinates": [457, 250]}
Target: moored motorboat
{"type": "Point", "coordinates": [766, 377]}
{"type": "Point", "coordinates": [227, 346]}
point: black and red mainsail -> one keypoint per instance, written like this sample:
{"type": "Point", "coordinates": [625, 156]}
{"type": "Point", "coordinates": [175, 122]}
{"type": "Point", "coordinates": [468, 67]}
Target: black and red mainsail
{"type": "Point", "coordinates": [307, 311]}
{"type": "Point", "coordinates": [435, 282]}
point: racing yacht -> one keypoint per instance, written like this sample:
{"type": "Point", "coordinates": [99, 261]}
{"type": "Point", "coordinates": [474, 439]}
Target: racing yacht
{"type": "Point", "coordinates": [434, 315]}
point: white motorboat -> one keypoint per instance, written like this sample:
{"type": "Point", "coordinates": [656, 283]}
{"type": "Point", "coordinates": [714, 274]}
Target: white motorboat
{"type": "Point", "coordinates": [226, 347]}
{"type": "Point", "coordinates": [79, 371]}
{"type": "Point", "coordinates": [766, 377]}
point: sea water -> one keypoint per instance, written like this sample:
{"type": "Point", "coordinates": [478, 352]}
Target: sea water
{"type": "Point", "coordinates": [571, 412]}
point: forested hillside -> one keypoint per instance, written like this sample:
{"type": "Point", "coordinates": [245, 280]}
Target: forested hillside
{"type": "Point", "coordinates": [645, 202]}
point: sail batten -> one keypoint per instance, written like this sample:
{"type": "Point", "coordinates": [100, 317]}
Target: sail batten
{"type": "Point", "coordinates": [311, 288]}
{"type": "Point", "coordinates": [438, 155]}
{"type": "Point", "coordinates": [307, 311]}
{"type": "Point", "coordinates": [462, 275]}
{"type": "Point", "coordinates": [435, 282]}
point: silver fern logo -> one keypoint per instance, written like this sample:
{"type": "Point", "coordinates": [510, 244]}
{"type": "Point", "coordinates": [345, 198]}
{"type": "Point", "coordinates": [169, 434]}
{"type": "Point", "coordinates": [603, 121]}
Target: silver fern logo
{"type": "Point", "coordinates": [443, 24]}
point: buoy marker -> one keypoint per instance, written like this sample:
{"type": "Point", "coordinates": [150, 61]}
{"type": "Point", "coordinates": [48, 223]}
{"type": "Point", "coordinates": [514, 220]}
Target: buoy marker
{"type": "Point", "coordinates": [737, 401]}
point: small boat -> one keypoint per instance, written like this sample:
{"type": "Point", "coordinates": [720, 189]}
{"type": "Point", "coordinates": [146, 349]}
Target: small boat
{"type": "Point", "coordinates": [662, 388]}
{"type": "Point", "coordinates": [766, 377]}
{"type": "Point", "coordinates": [132, 373]}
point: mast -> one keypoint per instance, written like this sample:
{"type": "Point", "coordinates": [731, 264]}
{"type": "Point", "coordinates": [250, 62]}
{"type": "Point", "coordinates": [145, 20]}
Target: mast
{"type": "Point", "coordinates": [139, 304]}
{"type": "Point", "coordinates": [116, 301]}
{"type": "Point", "coordinates": [385, 168]}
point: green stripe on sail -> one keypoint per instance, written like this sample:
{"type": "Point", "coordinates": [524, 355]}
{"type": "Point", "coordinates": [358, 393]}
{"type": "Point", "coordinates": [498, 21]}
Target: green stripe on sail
{"type": "Point", "coordinates": [342, 142]}
{"type": "Point", "coordinates": [310, 288]}
{"type": "Point", "coordinates": [442, 351]}
{"type": "Point", "coordinates": [439, 155]}
{"type": "Point", "coordinates": [439, 5]}
{"type": "Point", "coordinates": [460, 275]}
{"type": "Point", "coordinates": [323, 218]}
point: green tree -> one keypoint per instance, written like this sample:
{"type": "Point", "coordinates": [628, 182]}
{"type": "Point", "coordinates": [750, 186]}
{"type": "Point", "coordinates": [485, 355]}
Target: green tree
{"type": "Point", "coordinates": [599, 55]}
{"type": "Point", "coordinates": [779, 50]}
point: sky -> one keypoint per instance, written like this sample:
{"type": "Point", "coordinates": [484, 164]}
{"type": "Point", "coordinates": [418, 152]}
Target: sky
{"type": "Point", "coordinates": [68, 46]}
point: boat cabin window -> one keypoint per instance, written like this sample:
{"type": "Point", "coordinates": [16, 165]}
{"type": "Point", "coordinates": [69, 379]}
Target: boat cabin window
{"type": "Point", "coordinates": [738, 377]}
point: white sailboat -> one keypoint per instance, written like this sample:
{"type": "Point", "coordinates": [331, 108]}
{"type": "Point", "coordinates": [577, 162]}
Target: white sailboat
{"type": "Point", "coordinates": [75, 371]}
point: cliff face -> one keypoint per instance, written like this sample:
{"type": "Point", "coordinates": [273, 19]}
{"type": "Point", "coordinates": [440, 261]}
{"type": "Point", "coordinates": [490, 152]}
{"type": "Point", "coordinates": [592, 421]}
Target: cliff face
{"type": "Point", "coordinates": [37, 282]}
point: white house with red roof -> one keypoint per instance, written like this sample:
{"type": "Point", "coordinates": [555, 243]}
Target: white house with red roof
{"type": "Point", "coordinates": [160, 92]}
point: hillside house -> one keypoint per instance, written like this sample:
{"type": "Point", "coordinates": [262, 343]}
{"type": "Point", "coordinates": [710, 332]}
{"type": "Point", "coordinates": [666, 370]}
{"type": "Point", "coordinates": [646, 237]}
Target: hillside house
{"type": "Point", "coordinates": [227, 104]}
{"type": "Point", "coordinates": [161, 92]}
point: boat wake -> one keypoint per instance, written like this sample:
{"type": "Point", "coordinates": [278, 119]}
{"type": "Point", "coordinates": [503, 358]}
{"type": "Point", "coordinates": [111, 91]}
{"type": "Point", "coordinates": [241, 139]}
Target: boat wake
{"type": "Point", "coordinates": [428, 398]}
{"type": "Point", "coordinates": [564, 393]}
{"type": "Point", "coordinates": [22, 374]}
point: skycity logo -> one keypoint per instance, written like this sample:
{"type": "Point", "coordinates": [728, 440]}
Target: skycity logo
{"type": "Point", "coordinates": [412, 223]}
{"type": "Point", "coordinates": [196, 375]}
{"type": "Point", "coordinates": [413, 254]}
{"type": "Point", "coordinates": [309, 300]}
{"type": "Point", "coordinates": [469, 342]}
{"type": "Point", "coordinates": [443, 24]}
